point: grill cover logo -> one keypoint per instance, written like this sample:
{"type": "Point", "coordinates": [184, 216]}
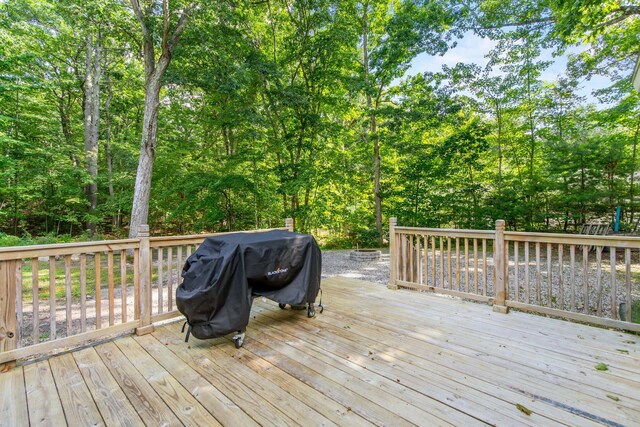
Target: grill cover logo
{"type": "Point", "coordinates": [277, 271]}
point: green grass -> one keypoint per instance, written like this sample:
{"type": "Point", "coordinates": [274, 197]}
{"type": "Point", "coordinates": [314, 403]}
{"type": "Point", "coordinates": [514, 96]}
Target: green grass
{"type": "Point", "coordinates": [43, 277]}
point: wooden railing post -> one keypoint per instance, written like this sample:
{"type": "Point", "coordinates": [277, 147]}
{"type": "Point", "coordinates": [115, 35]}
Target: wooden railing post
{"type": "Point", "coordinates": [288, 223]}
{"type": "Point", "coordinates": [8, 319]}
{"type": "Point", "coordinates": [144, 268]}
{"type": "Point", "coordinates": [500, 264]}
{"type": "Point", "coordinates": [393, 256]}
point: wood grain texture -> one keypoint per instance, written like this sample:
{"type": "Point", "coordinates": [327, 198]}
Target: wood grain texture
{"type": "Point", "coordinates": [52, 298]}
{"type": "Point", "coordinates": [112, 402]}
{"type": "Point", "coordinates": [74, 395]}
{"type": "Point", "coordinates": [226, 410]}
{"type": "Point", "coordinates": [8, 323]}
{"type": "Point", "coordinates": [13, 399]}
{"type": "Point", "coordinates": [45, 408]}
{"type": "Point", "coordinates": [151, 408]}
{"type": "Point", "coordinates": [184, 405]}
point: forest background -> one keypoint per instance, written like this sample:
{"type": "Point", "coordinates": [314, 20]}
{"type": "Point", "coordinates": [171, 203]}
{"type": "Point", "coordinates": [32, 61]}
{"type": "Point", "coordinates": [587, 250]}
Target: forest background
{"type": "Point", "coordinates": [231, 114]}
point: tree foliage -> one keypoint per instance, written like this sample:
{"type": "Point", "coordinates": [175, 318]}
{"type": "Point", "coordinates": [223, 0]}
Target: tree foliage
{"type": "Point", "coordinates": [309, 109]}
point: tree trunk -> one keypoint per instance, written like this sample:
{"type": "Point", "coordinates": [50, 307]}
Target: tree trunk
{"type": "Point", "coordinates": [107, 149]}
{"type": "Point", "coordinates": [142, 191]}
{"type": "Point", "coordinates": [633, 173]}
{"type": "Point", "coordinates": [91, 124]}
{"type": "Point", "coordinates": [154, 71]}
{"type": "Point", "coordinates": [373, 128]}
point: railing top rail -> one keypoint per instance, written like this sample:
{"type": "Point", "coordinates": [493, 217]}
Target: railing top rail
{"type": "Point", "coordinates": [33, 251]}
{"type": "Point", "coordinates": [577, 239]}
{"type": "Point", "coordinates": [452, 232]}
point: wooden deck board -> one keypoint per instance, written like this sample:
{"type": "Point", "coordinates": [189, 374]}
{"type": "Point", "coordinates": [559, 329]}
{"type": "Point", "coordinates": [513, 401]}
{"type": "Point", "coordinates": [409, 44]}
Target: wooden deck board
{"type": "Point", "coordinates": [220, 405]}
{"type": "Point", "coordinates": [374, 357]}
{"type": "Point", "coordinates": [533, 359]}
{"type": "Point", "coordinates": [186, 407]}
{"type": "Point", "coordinates": [419, 387]}
{"type": "Point", "coordinates": [112, 402]}
{"type": "Point", "coordinates": [13, 404]}
{"type": "Point", "coordinates": [152, 409]}
{"type": "Point", "coordinates": [40, 387]}
{"type": "Point", "coordinates": [78, 405]}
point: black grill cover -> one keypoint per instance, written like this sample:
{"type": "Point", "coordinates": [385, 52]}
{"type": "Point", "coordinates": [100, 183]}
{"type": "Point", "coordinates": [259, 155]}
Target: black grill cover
{"type": "Point", "coordinates": [226, 272]}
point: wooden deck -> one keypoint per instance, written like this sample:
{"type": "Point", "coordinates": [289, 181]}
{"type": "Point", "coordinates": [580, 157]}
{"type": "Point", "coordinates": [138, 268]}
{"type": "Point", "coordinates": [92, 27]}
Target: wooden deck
{"type": "Point", "coordinates": [374, 357]}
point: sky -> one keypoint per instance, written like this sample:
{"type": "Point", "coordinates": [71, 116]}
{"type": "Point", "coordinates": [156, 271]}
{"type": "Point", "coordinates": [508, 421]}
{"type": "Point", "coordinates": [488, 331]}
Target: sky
{"type": "Point", "coordinates": [472, 49]}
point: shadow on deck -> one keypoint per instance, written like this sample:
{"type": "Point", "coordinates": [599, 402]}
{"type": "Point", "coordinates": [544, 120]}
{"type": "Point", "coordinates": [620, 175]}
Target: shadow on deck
{"type": "Point", "coordinates": [374, 357]}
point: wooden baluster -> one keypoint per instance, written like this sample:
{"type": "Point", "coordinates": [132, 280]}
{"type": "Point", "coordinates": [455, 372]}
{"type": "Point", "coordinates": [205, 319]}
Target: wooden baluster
{"type": "Point", "coordinates": [136, 284]}
{"type": "Point", "coordinates": [527, 278]}
{"type": "Point", "coordinates": [67, 286]}
{"type": "Point", "coordinates": [35, 289]}
{"type": "Point", "coordinates": [441, 261]}
{"type": "Point", "coordinates": [145, 290]}
{"type": "Point", "coordinates": [83, 292]}
{"type": "Point", "coordinates": [585, 277]}
{"type": "Point", "coordinates": [560, 277]}
{"type": "Point", "coordinates": [123, 284]}
{"type": "Point", "coordinates": [449, 270]}
{"type": "Point", "coordinates": [500, 267]}
{"type": "Point", "coordinates": [538, 279]}
{"type": "Point", "coordinates": [393, 255]}
{"type": "Point", "coordinates": [180, 264]}
{"type": "Point", "coordinates": [111, 288]}
{"type": "Point", "coordinates": [466, 265]}
{"type": "Point", "coordinates": [170, 277]}
{"type": "Point", "coordinates": [52, 298]}
{"type": "Point", "coordinates": [398, 252]}
{"type": "Point", "coordinates": [425, 267]}
{"type": "Point", "coordinates": [627, 279]}
{"type": "Point", "coordinates": [421, 272]}
{"type": "Point", "coordinates": [484, 267]}
{"type": "Point", "coordinates": [19, 314]}
{"type": "Point", "coordinates": [160, 282]}
{"type": "Point", "coordinates": [475, 266]}
{"type": "Point", "coordinates": [411, 260]}
{"type": "Point", "coordinates": [401, 258]}
{"type": "Point", "coordinates": [506, 270]}
{"type": "Point", "coordinates": [599, 280]}
{"type": "Point", "coordinates": [458, 263]}
{"type": "Point", "coordinates": [98, 291]}
{"type": "Point", "coordinates": [572, 257]}
{"type": "Point", "coordinates": [549, 275]}
{"type": "Point", "coordinates": [614, 285]}
{"type": "Point", "coordinates": [516, 269]}
{"type": "Point", "coordinates": [433, 261]}
{"type": "Point", "coordinates": [188, 251]}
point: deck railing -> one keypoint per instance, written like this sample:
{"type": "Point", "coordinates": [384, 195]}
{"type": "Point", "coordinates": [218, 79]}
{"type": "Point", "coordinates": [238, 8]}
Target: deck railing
{"type": "Point", "coordinates": [58, 296]}
{"type": "Point", "coordinates": [593, 279]}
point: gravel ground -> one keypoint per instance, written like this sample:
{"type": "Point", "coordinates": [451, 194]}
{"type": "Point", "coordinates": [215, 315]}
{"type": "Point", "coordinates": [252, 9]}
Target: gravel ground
{"type": "Point", "coordinates": [337, 263]}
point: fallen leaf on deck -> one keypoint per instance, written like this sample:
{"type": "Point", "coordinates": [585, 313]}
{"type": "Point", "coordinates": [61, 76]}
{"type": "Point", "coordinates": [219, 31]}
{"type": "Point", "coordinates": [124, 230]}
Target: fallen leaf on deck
{"type": "Point", "coordinates": [612, 397]}
{"type": "Point", "coordinates": [602, 367]}
{"type": "Point", "coordinates": [523, 409]}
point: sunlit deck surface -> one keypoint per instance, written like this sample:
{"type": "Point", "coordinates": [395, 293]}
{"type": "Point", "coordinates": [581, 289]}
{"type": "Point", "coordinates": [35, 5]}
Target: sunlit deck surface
{"type": "Point", "coordinates": [374, 357]}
